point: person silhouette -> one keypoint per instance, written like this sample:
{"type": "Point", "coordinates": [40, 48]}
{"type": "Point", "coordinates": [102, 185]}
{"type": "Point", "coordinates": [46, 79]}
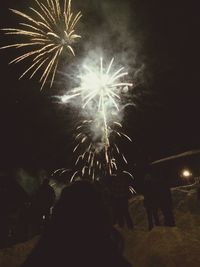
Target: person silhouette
{"type": "Point", "coordinates": [5, 210]}
{"type": "Point", "coordinates": [166, 204]}
{"type": "Point", "coordinates": [79, 232]}
{"type": "Point", "coordinates": [119, 188]}
{"type": "Point", "coordinates": [151, 203]}
{"type": "Point", "coordinates": [157, 196]}
{"type": "Point", "coordinates": [41, 204]}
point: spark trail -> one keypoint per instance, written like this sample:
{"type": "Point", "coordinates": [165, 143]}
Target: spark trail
{"type": "Point", "coordinates": [93, 155]}
{"type": "Point", "coordinates": [44, 36]}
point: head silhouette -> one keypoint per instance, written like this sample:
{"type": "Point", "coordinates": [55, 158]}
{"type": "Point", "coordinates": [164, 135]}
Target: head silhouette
{"type": "Point", "coordinates": [79, 232]}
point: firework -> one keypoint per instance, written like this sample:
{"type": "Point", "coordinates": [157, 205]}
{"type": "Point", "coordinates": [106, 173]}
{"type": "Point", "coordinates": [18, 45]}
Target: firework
{"type": "Point", "coordinates": [93, 155]}
{"type": "Point", "coordinates": [100, 91]}
{"type": "Point", "coordinates": [45, 35]}
{"type": "Point", "coordinates": [100, 86]}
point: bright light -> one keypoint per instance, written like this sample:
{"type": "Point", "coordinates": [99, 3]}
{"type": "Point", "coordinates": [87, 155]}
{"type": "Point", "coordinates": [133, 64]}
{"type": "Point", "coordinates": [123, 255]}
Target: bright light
{"type": "Point", "coordinates": [186, 173]}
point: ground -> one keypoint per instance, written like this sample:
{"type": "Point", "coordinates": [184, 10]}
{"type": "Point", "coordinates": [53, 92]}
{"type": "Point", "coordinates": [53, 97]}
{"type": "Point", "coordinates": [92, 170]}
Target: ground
{"type": "Point", "coordinates": [161, 247]}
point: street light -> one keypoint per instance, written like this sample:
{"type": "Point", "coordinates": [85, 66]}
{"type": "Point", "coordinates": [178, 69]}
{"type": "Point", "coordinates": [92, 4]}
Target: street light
{"type": "Point", "coordinates": [186, 173]}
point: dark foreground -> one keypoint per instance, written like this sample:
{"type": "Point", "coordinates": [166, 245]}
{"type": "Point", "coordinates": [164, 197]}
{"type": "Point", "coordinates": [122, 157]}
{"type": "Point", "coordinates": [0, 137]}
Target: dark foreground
{"type": "Point", "coordinates": [162, 247]}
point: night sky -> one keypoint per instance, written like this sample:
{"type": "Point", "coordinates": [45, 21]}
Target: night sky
{"type": "Point", "coordinates": [161, 36]}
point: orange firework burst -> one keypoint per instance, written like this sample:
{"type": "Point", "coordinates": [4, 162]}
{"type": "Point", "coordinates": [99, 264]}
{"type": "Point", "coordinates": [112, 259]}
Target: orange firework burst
{"type": "Point", "coordinates": [48, 32]}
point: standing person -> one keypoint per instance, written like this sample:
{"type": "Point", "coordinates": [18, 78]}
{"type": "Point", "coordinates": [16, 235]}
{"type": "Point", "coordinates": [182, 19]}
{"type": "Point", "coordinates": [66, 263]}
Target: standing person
{"type": "Point", "coordinates": [119, 188]}
{"type": "Point", "coordinates": [164, 197]}
{"type": "Point", "coordinates": [150, 201]}
{"type": "Point", "coordinates": [166, 205]}
{"type": "Point", "coordinates": [23, 223]}
{"type": "Point", "coordinates": [41, 205]}
{"type": "Point", "coordinates": [5, 211]}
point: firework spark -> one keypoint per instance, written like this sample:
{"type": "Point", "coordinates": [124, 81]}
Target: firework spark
{"type": "Point", "coordinates": [100, 92]}
{"type": "Point", "coordinates": [94, 157]}
{"type": "Point", "coordinates": [100, 86]}
{"type": "Point", "coordinates": [49, 31]}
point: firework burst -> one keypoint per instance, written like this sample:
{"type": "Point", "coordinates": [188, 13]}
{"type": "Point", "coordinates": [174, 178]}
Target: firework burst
{"type": "Point", "coordinates": [100, 92]}
{"type": "Point", "coordinates": [48, 32]}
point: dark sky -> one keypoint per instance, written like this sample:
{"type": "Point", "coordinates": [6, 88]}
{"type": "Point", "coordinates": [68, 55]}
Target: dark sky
{"type": "Point", "coordinates": [37, 132]}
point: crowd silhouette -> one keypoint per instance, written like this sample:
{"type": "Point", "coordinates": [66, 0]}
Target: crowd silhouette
{"type": "Point", "coordinates": [81, 227]}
